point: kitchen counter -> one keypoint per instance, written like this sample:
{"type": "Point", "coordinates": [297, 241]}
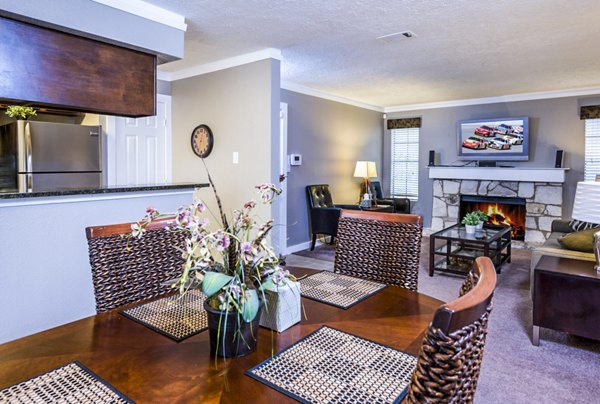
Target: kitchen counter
{"type": "Point", "coordinates": [44, 260]}
{"type": "Point", "coordinates": [100, 190]}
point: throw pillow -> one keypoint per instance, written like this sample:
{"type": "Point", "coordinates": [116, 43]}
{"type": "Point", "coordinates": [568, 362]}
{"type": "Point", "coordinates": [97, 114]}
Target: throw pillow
{"type": "Point", "coordinates": [578, 225]}
{"type": "Point", "coordinates": [579, 241]}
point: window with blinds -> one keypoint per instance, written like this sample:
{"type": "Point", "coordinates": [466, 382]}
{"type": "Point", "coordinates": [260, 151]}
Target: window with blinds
{"type": "Point", "coordinates": [592, 149]}
{"type": "Point", "coordinates": [405, 163]}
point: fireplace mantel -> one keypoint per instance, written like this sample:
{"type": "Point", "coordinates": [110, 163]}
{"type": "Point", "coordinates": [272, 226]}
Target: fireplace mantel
{"type": "Point", "coordinates": [518, 174]}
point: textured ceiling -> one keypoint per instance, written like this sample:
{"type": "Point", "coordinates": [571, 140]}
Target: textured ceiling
{"type": "Point", "coordinates": [464, 48]}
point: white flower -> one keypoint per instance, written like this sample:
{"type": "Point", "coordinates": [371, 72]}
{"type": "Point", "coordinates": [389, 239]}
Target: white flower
{"type": "Point", "coordinates": [137, 230]}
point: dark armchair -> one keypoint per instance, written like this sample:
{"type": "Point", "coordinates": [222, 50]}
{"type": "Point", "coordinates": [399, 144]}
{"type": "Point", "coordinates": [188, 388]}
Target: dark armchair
{"type": "Point", "coordinates": [323, 214]}
{"type": "Point", "coordinates": [399, 205]}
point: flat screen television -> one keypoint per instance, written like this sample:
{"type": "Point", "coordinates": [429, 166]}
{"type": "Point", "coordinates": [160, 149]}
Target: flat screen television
{"type": "Point", "coordinates": [498, 139]}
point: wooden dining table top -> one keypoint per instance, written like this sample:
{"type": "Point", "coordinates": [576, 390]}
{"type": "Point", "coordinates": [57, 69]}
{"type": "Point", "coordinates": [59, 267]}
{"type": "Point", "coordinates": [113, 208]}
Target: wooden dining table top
{"type": "Point", "coordinates": [148, 367]}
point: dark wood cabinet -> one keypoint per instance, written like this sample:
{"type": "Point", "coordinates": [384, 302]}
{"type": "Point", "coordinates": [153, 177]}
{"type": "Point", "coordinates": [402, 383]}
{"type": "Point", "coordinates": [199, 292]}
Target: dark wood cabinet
{"type": "Point", "coordinates": [44, 67]}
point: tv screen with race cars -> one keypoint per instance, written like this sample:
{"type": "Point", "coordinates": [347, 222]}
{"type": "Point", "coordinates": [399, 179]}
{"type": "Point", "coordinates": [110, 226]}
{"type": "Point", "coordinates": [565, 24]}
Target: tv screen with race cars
{"type": "Point", "coordinates": [500, 139]}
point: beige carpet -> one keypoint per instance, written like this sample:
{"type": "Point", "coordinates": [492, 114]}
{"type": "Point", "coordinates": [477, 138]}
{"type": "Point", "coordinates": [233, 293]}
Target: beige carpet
{"type": "Point", "coordinates": [563, 369]}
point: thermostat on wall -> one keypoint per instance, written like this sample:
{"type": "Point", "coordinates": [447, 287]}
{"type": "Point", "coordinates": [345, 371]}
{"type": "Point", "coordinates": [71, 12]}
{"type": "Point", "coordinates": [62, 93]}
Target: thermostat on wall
{"type": "Point", "coordinates": [295, 159]}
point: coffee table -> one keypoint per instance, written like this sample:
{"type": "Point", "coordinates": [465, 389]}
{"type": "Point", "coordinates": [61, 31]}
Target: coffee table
{"type": "Point", "coordinates": [453, 250]}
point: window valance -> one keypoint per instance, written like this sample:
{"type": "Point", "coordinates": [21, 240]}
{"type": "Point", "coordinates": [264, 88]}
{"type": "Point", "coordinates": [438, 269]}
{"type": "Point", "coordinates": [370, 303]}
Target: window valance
{"type": "Point", "coordinates": [404, 123]}
{"type": "Point", "coordinates": [590, 112]}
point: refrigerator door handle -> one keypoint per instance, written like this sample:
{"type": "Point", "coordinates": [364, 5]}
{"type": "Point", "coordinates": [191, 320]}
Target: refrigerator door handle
{"type": "Point", "coordinates": [28, 156]}
{"type": "Point", "coordinates": [23, 147]}
{"type": "Point", "coordinates": [25, 182]}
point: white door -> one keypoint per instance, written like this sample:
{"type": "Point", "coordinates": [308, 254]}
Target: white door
{"type": "Point", "coordinates": [143, 147]}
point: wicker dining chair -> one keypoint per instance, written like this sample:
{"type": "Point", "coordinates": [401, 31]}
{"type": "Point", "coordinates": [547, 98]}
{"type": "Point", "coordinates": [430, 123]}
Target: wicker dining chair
{"type": "Point", "coordinates": [450, 359]}
{"type": "Point", "coordinates": [127, 269]}
{"type": "Point", "coordinates": [381, 247]}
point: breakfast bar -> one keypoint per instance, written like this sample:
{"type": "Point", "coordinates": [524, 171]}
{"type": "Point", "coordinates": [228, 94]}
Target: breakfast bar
{"type": "Point", "coordinates": [44, 266]}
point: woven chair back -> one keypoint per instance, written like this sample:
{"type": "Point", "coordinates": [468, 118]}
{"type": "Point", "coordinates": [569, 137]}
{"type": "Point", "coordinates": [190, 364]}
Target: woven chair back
{"type": "Point", "coordinates": [450, 359]}
{"type": "Point", "coordinates": [126, 269]}
{"type": "Point", "coordinates": [381, 247]}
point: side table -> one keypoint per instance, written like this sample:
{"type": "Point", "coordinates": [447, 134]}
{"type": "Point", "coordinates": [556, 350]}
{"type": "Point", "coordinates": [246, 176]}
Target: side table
{"type": "Point", "coordinates": [379, 208]}
{"type": "Point", "coordinates": [566, 297]}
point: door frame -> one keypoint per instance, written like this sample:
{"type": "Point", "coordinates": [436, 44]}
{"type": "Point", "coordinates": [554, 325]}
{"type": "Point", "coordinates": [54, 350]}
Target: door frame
{"type": "Point", "coordinates": [283, 169]}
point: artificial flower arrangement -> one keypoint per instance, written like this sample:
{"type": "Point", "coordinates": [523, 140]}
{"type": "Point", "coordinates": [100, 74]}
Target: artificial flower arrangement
{"type": "Point", "coordinates": [233, 264]}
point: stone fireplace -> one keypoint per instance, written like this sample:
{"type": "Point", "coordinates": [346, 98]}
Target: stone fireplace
{"type": "Point", "coordinates": [541, 200]}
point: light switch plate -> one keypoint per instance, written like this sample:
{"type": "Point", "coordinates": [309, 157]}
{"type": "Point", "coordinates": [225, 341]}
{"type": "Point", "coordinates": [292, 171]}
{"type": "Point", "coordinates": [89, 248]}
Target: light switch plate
{"type": "Point", "coordinates": [236, 157]}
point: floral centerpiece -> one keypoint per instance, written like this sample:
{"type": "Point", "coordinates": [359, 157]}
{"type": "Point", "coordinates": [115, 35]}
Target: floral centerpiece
{"type": "Point", "coordinates": [231, 262]}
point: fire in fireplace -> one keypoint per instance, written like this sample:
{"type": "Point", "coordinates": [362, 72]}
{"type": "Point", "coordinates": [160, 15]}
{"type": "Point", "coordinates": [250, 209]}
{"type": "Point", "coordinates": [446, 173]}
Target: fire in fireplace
{"type": "Point", "coordinates": [500, 210]}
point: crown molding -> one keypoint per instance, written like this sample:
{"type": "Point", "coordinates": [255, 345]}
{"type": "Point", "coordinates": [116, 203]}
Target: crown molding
{"type": "Point", "coordinates": [298, 88]}
{"type": "Point", "coordinates": [269, 53]}
{"type": "Point", "coordinates": [541, 95]}
{"type": "Point", "coordinates": [148, 11]}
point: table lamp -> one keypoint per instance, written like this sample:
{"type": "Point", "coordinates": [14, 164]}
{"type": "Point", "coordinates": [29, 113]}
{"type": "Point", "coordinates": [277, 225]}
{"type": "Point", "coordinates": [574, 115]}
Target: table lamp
{"type": "Point", "coordinates": [587, 209]}
{"type": "Point", "coordinates": [366, 170]}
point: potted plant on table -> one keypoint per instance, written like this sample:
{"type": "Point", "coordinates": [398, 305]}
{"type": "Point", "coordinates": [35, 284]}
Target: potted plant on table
{"type": "Point", "coordinates": [483, 217]}
{"type": "Point", "coordinates": [19, 112]}
{"type": "Point", "coordinates": [471, 220]}
{"type": "Point", "coordinates": [232, 263]}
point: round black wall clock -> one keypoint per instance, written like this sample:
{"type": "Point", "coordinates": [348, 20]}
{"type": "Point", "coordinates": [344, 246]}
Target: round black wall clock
{"type": "Point", "coordinates": [202, 141]}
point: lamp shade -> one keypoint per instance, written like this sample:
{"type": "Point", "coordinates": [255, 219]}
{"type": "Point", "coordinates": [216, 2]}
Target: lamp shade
{"type": "Point", "coordinates": [587, 202]}
{"type": "Point", "coordinates": [365, 169]}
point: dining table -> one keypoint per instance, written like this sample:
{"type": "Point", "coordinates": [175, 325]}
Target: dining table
{"type": "Point", "coordinates": [148, 367]}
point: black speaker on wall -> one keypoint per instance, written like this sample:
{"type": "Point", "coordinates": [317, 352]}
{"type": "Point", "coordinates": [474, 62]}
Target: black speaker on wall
{"type": "Point", "coordinates": [560, 156]}
{"type": "Point", "coordinates": [431, 158]}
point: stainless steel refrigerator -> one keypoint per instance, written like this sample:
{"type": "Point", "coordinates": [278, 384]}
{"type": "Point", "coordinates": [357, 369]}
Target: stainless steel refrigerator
{"type": "Point", "coordinates": [44, 156]}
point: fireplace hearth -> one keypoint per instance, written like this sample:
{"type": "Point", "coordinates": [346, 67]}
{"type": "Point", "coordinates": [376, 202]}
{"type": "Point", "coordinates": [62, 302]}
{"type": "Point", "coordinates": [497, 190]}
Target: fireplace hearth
{"type": "Point", "coordinates": [502, 211]}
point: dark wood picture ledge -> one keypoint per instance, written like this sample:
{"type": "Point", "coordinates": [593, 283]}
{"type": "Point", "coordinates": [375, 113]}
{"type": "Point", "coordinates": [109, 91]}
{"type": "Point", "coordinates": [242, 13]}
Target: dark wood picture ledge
{"type": "Point", "coordinates": [43, 67]}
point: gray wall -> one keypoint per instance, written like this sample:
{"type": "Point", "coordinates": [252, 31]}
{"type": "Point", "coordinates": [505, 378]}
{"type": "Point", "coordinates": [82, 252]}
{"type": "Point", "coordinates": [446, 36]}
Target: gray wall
{"type": "Point", "coordinates": [163, 87]}
{"type": "Point", "coordinates": [95, 20]}
{"type": "Point", "coordinates": [553, 124]}
{"type": "Point", "coordinates": [331, 137]}
{"type": "Point", "coordinates": [44, 265]}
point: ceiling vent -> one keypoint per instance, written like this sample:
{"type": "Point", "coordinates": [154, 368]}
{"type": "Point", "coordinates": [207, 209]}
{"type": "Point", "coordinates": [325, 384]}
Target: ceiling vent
{"type": "Point", "coordinates": [397, 36]}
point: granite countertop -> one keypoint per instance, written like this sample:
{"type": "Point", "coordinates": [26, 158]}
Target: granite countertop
{"type": "Point", "coordinates": [99, 190]}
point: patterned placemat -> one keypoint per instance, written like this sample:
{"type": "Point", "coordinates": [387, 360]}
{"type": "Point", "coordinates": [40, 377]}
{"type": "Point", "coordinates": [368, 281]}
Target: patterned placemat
{"type": "Point", "coordinates": [176, 317]}
{"type": "Point", "coordinates": [338, 290]}
{"type": "Point", "coordinates": [331, 366]}
{"type": "Point", "coordinates": [71, 383]}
